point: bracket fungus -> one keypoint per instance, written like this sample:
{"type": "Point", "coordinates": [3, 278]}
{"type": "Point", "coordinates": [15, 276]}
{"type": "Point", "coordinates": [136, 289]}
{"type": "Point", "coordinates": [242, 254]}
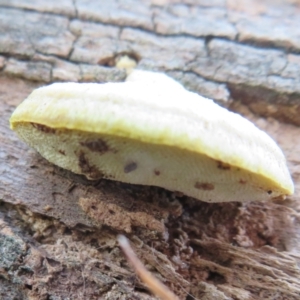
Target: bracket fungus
{"type": "Point", "coordinates": [149, 130]}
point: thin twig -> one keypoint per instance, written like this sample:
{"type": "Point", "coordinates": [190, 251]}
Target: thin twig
{"type": "Point", "coordinates": [155, 286]}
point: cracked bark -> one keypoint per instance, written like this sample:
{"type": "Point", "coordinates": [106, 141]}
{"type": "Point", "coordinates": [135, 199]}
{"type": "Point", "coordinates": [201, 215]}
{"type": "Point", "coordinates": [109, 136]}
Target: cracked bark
{"type": "Point", "coordinates": [58, 230]}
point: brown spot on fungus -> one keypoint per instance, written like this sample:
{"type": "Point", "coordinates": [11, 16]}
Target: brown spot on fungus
{"type": "Point", "coordinates": [130, 167]}
{"type": "Point", "coordinates": [269, 192]}
{"type": "Point", "coordinates": [90, 171]}
{"type": "Point", "coordinates": [62, 152]}
{"type": "Point", "coordinates": [43, 128]}
{"type": "Point", "coordinates": [156, 172]}
{"type": "Point", "coordinates": [242, 181]}
{"type": "Point", "coordinates": [204, 186]}
{"type": "Point", "coordinates": [98, 145]}
{"type": "Point", "coordinates": [223, 166]}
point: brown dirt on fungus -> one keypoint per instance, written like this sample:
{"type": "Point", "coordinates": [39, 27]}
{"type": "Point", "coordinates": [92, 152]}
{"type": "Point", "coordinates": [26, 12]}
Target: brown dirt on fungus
{"type": "Point", "coordinates": [88, 170]}
{"type": "Point", "coordinates": [223, 166]}
{"type": "Point", "coordinates": [156, 172]}
{"type": "Point", "coordinates": [43, 128]}
{"type": "Point", "coordinates": [62, 152]}
{"type": "Point", "coordinates": [129, 167]}
{"type": "Point", "coordinates": [98, 145]}
{"type": "Point", "coordinates": [204, 186]}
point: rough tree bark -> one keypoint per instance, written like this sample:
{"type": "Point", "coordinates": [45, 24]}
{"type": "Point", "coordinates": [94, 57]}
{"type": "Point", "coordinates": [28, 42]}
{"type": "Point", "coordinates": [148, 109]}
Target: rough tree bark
{"type": "Point", "coordinates": [58, 230]}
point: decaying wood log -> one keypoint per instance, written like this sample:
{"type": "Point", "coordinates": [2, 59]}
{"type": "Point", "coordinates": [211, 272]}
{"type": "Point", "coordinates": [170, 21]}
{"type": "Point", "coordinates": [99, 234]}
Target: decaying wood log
{"type": "Point", "coordinates": [58, 230]}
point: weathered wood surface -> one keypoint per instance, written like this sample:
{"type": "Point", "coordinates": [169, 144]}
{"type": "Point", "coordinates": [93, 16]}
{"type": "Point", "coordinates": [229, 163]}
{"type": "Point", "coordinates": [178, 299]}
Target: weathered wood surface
{"type": "Point", "coordinates": [58, 231]}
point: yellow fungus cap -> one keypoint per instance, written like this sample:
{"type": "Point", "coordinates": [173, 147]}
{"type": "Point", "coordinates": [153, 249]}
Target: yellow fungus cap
{"type": "Point", "coordinates": [160, 114]}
